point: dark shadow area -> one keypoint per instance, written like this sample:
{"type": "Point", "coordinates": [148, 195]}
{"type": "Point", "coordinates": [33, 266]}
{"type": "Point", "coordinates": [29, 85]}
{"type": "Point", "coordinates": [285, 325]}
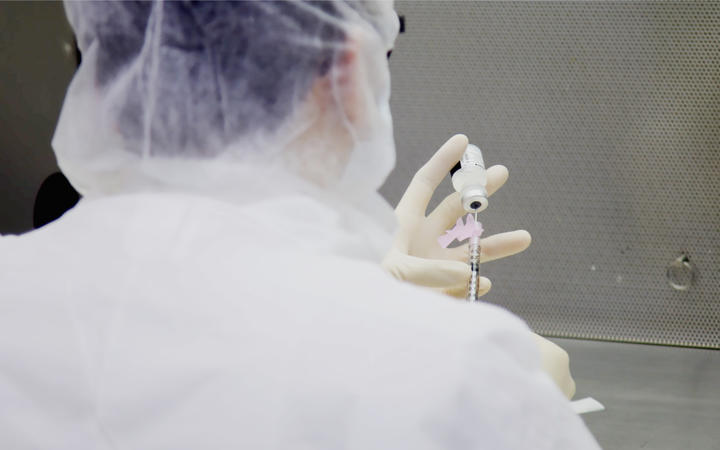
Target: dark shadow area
{"type": "Point", "coordinates": [55, 196]}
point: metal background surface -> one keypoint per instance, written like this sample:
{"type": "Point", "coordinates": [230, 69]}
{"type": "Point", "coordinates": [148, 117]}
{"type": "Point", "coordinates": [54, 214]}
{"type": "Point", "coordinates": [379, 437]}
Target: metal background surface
{"type": "Point", "coordinates": [608, 118]}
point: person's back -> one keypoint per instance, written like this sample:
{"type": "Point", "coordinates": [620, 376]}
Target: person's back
{"type": "Point", "coordinates": [196, 332]}
{"type": "Point", "coordinates": [218, 285]}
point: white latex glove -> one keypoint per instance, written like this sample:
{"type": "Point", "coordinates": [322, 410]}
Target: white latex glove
{"type": "Point", "coordinates": [556, 362]}
{"type": "Point", "coordinates": [416, 255]}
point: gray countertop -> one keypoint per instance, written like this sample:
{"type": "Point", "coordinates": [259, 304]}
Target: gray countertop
{"type": "Point", "coordinates": [655, 397]}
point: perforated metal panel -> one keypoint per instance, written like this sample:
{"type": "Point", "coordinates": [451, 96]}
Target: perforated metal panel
{"type": "Point", "coordinates": [608, 117]}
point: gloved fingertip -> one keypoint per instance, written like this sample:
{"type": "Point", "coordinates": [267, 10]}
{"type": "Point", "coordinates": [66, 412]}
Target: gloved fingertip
{"type": "Point", "coordinates": [526, 237]}
{"type": "Point", "coordinates": [484, 285]}
{"type": "Point", "coordinates": [460, 136]}
{"type": "Point", "coordinates": [499, 169]}
{"type": "Point", "coordinates": [453, 148]}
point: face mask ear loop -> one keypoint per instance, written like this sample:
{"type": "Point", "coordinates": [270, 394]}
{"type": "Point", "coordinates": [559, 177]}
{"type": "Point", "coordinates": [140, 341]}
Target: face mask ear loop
{"type": "Point", "coordinates": [157, 16]}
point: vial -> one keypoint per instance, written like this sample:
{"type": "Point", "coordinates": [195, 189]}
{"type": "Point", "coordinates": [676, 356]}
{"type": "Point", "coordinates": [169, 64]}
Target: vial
{"type": "Point", "coordinates": [469, 178]}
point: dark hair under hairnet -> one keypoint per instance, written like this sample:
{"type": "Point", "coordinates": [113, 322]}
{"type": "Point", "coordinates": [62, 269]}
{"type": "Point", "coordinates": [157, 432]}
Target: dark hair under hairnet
{"type": "Point", "coordinates": [208, 70]}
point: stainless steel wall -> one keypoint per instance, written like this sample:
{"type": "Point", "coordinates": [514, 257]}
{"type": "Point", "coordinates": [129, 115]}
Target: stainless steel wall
{"type": "Point", "coordinates": [608, 118]}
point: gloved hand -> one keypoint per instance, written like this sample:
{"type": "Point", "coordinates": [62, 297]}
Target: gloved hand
{"type": "Point", "coordinates": [556, 363]}
{"type": "Point", "coordinates": [416, 255]}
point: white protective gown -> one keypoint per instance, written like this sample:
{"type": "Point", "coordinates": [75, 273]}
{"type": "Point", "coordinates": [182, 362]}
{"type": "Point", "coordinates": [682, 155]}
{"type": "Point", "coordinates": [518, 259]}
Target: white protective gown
{"type": "Point", "coordinates": [177, 321]}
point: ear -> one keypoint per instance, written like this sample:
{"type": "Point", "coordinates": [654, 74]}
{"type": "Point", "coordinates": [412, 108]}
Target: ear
{"type": "Point", "coordinates": [340, 90]}
{"type": "Point", "coordinates": [323, 149]}
{"type": "Point", "coordinates": [346, 78]}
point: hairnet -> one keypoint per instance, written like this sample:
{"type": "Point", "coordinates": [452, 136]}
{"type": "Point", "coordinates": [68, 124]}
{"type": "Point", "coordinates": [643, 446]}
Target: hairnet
{"type": "Point", "coordinates": [191, 94]}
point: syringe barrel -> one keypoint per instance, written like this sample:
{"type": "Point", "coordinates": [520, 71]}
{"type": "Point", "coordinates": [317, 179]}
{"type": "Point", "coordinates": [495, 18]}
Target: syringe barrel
{"type": "Point", "coordinates": [473, 294]}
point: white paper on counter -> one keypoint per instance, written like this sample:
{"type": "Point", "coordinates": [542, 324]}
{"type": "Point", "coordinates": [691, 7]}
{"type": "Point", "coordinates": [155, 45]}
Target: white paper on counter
{"type": "Point", "coordinates": [586, 405]}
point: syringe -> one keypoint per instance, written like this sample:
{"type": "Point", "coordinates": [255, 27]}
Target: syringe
{"type": "Point", "coordinates": [474, 250]}
{"type": "Point", "coordinates": [469, 178]}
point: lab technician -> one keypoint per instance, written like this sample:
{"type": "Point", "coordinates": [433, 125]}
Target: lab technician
{"type": "Point", "coordinates": [219, 285]}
